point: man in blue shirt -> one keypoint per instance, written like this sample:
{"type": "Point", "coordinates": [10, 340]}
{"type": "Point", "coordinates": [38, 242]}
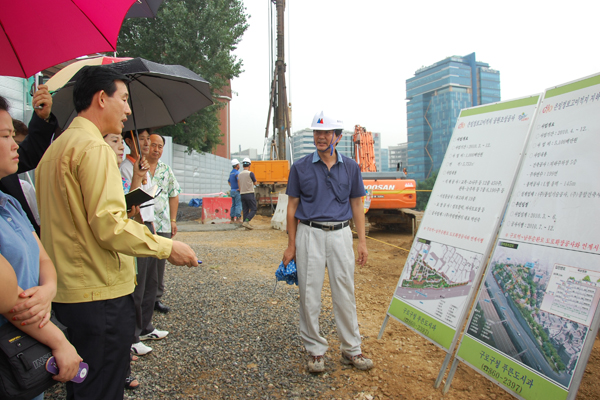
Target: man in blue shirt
{"type": "Point", "coordinates": [325, 190]}
{"type": "Point", "coordinates": [236, 199]}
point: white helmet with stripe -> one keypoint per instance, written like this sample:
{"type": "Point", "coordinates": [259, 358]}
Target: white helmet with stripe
{"type": "Point", "coordinates": [324, 122]}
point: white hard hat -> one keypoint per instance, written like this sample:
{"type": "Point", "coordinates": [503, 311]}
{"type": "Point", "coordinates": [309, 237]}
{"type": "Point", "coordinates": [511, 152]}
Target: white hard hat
{"type": "Point", "coordinates": [246, 161]}
{"type": "Point", "coordinates": [234, 162]}
{"type": "Point", "coordinates": [324, 122]}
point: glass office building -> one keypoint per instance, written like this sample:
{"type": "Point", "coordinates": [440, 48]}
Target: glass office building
{"type": "Point", "coordinates": [385, 163]}
{"type": "Point", "coordinates": [436, 95]}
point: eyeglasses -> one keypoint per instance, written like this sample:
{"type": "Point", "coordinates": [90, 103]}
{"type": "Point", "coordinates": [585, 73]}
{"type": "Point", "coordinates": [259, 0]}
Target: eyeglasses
{"type": "Point", "coordinates": [322, 133]}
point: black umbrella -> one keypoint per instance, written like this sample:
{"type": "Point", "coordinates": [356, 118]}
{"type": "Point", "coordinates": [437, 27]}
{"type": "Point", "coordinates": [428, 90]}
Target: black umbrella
{"type": "Point", "coordinates": [144, 9]}
{"type": "Point", "coordinates": [159, 94]}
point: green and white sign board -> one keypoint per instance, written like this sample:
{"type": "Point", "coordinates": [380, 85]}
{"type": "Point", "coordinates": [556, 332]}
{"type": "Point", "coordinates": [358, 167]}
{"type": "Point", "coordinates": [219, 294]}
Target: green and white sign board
{"type": "Point", "coordinates": [446, 260]}
{"type": "Point", "coordinates": [534, 322]}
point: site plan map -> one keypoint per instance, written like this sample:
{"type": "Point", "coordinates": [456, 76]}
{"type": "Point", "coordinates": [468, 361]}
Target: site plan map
{"type": "Point", "coordinates": [437, 279]}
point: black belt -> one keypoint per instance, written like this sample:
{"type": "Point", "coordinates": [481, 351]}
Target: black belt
{"type": "Point", "coordinates": [335, 227]}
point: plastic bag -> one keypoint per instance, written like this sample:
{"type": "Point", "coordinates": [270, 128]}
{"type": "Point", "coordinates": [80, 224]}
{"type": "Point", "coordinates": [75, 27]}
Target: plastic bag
{"type": "Point", "coordinates": [195, 203]}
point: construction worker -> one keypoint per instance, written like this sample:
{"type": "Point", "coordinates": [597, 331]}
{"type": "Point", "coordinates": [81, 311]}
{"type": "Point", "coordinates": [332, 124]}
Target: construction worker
{"type": "Point", "coordinates": [325, 190]}
{"type": "Point", "coordinates": [246, 181]}
{"type": "Point", "coordinates": [236, 200]}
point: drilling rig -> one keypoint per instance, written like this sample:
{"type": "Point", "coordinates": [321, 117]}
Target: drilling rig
{"type": "Point", "coordinates": [272, 175]}
{"type": "Point", "coordinates": [278, 103]}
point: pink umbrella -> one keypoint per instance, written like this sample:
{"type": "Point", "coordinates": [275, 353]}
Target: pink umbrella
{"type": "Point", "coordinates": [37, 34]}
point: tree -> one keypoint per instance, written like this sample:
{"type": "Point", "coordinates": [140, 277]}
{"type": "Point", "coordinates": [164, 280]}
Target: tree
{"type": "Point", "coordinates": [423, 197]}
{"type": "Point", "coordinates": [200, 35]}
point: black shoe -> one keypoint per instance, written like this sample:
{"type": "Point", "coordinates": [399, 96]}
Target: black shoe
{"type": "Point", "coordinates": [160, 307]}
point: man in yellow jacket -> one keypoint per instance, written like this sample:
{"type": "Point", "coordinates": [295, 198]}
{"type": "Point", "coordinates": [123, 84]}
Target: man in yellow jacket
{"type": "Point", "coordinates": [85, 226]}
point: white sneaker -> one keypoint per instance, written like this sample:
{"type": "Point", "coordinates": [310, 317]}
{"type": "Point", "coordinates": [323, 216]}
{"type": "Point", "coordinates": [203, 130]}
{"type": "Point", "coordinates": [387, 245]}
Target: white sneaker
{"type": "Point", "coordinates": [140, 349]}
{"type": "Point", "coordinates": [154, 335]}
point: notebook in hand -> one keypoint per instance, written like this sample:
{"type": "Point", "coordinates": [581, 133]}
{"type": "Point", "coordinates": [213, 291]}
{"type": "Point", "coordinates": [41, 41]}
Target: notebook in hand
{"type": "Point", "coordinates": [140, 196]}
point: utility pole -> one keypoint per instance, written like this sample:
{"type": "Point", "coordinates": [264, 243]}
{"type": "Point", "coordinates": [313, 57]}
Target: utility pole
{"type": "Point", "coordinates": [278, 100]}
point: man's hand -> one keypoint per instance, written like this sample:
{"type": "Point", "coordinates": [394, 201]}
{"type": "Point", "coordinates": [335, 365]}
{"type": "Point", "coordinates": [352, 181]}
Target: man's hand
{"type": "Point", "coordinates": [182, 254]}
{"type": "Point", "coordinates": [42, 98]}
{"type": "Point", "coordinates": [173, 228]}
{"type": "Point", "coordinates": [140, 171]}
{"type": "Point", "coordinates": [363, 253]}
{"type": "Point", "coordinates": [35, 306]}
{"type": "Point", "coordinates": [289, 254]}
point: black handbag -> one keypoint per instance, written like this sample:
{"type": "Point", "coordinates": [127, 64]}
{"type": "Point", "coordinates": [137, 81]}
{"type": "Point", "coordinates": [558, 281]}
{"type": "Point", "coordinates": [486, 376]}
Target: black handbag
{"type": "Point", "coordinates": [23, 372]}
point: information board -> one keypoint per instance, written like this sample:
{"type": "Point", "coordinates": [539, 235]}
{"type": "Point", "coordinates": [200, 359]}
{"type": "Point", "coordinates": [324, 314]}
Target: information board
{"type": "Point", "coordinates": [444, 266]}
{"type": "Point", "coordinates": [536, 315]}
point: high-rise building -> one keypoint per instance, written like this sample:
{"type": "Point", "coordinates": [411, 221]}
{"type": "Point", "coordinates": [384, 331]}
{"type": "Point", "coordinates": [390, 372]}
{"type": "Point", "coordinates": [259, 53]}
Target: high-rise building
{"type": "Point", "coordinates": [397, 157]}
{"type": "Point", "coordinates": [385, 166]}
{"type": "Point", "coordinates": [377, 150]}
{"type": "Point", "coordinates": [436, 95]}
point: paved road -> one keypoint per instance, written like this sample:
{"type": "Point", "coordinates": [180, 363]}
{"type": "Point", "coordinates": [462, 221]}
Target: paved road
{"type": "Point", "coordinates": [501, 338]}
{"type": "Point", "coordinates": [521, 336]}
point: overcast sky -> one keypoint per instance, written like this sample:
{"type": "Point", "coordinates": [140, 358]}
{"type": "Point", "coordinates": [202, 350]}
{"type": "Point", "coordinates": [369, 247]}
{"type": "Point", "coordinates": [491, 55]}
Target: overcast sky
{"type": "Point", "coordinates": [352, 58]}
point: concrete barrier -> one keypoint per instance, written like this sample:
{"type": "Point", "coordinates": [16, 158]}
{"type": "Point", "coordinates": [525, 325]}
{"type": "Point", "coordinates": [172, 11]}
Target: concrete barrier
{"type": "Point", "coordinates": [279, 220]}
{"type": "Point", "coordinates": [215, 210]}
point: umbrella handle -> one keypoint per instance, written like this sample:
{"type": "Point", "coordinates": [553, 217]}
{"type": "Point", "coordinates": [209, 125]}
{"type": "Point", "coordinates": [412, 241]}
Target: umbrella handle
{"type": "Point", "coordinates": [137, 139]}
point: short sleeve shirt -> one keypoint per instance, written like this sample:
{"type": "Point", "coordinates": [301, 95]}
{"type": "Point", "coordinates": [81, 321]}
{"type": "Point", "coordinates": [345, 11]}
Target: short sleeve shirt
{"type": "Point", "coordinates": [233, 179]}
{"type": "Point", "coordinates": [169, 187]}
{"type": "Point", "coordinates": [126, 185]}
{"type": "Point", "coordinates": [325, 194]}
{"type": "Point", "coordinates": [17, 244]}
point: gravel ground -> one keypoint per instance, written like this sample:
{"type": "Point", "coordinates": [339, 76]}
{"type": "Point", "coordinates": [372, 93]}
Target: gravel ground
{"type": "Point", "coordinates": [230, 336]}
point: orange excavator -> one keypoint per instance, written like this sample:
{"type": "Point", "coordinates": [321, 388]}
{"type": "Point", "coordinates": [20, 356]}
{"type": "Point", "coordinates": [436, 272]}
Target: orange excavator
{"type": "Point", "coordinates": [364, 153]}
{"type": "Point", "coordinates": [393, 195]}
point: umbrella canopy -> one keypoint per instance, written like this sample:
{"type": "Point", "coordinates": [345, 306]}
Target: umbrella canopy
{"type": "Point", "coordinates": [159, 94]}
{"type": "Point", "coordinates": [63, 76]}
{"type": "Point", "coordinates": [144, 9]}
{"type": "Point", "coordinates": [37, 34]}
{"type": "Point", "coordinates": [287, 273]}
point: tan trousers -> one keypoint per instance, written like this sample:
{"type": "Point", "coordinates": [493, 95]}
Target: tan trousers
{"type": "Point", "coordinates": [316, 249]}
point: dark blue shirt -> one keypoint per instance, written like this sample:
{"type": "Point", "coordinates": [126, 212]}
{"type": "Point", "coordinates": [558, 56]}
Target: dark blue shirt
{"type": "Point", "coordinates": [17, 244]}
{"type": "Point", "coordinates": [325, 194]}
{"type": "Point", "coordinates": [233, 179]}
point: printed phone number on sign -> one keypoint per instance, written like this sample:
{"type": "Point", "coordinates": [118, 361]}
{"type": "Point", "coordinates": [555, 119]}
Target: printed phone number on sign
{"type": "Point", "coordinates": [418, 322]}
{"type": "Point", "coordinates": [496, 369]}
